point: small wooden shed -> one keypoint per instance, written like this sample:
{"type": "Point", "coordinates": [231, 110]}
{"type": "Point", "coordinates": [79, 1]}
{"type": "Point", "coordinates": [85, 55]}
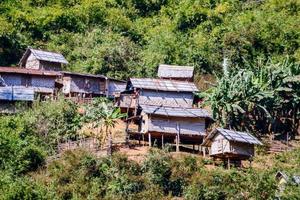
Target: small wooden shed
{"type": "Point", "coordinates": [173, 124]}
{"type": "Point", "coordinates": [174, 72]}
{"type": "Point", "coordinates": [230, 144]}
{"type": "Point", "coordinates": [42, 60]}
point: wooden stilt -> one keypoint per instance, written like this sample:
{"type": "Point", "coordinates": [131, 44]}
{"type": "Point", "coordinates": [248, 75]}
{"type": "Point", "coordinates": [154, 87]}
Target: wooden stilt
{"type": "Point", "coordinates": [228, 163]}
{"type": "Point", "coordinates": [204, 151]}
{"type": "Point", "coordinates": [143, 138]}
{"type": "Point", "coordinates": [149, 138]}
{"type": "Point", "coordinates": [162, 141]}
{"type": "Point", "coordinates": [178, 138]}
{"type": "Point", "coordinates": [177, 143]}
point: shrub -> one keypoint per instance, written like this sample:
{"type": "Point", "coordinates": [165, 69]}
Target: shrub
{"type": "Point", "coordinates": [158, 168]}
{"type": "Point", "coordinates": [29, 159]}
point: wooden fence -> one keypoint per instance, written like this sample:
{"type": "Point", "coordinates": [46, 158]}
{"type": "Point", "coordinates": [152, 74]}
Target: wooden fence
{"type": "Point", "coordinates": [90, 144]}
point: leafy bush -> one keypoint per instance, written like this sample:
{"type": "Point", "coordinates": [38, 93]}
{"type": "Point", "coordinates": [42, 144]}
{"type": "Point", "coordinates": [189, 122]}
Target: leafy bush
{"type": "Point", "coordinates": [158, 168]}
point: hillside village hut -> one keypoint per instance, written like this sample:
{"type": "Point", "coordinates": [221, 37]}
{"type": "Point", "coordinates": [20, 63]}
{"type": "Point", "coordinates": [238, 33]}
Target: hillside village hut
{"type": "Point", "coordinates": [42, 60]}
{"type": "Point", "coordinates": [159, 92]}
{"type": "Point", "coordinates": [41, 81]}
{"type": "Point", "coordinates": [231, 145]}
{"type": "Point", "coordinates": [173, 72]}
{"type": "Point", "coordinates": [173, 124]}
{"type": "Point", "coordinates": [78, 86]}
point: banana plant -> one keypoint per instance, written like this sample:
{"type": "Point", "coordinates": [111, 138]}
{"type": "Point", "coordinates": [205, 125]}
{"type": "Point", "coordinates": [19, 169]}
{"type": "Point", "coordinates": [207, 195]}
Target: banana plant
{"type": "Point", "coordinates": [260, 98]}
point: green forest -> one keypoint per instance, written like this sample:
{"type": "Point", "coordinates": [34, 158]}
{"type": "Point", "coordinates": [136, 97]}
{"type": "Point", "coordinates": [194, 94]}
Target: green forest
{"type": "Point", "coordinates": [129, 38]}
{"type": "Point", "coordinates": [257, 91]}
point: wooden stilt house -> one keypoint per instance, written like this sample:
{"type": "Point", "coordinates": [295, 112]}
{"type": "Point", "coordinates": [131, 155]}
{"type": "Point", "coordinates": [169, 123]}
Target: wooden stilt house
{"type": "Point", "coordinates": [160, 92]}
{"type": "Point", "coordinates": [173, 124]}
{"type": "Point", "coordinates": [42, 60]}
{"type": "Point", "coordinates": [230, 145]}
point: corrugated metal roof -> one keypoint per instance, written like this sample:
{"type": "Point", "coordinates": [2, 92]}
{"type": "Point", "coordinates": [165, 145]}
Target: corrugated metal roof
{"type": "Point", "coordinates": [175, 111]}
{"type": "Point", "coordinates": [28, 71]}
{"type": "Point", "coordinates": [173, 71]}
{"type": "Point", "coordinates": [235, 136]}
{"type": "Point", "coordinates": [82, 74]}
{"type": "Point", "coordinates": [164, 85]}
{"type": "Point", "coordinates": [49, 56]}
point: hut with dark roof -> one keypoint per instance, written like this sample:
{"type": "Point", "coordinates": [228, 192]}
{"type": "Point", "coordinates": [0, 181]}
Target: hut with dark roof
{"type": "Point", "coordinates": [174, 72]}
{"type": "Point", "coordinates": [173, 124]}
{"type": "Point", "coordinates": [231, 145]}
{"type": "Point", "coordinates": [42, 60]}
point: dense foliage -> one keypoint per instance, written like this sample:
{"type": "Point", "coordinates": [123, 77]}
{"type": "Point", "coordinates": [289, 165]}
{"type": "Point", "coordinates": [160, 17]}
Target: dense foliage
{"type": "Point", "coordinates": [79, 175]}
{"type": "Point", "coordinates": [262, 98]}
{"type": "Point", "coordinates": [26, 172]}
{"type": "Point", "coordinates": [27, 138]}
{"type": "Point", "coordinates": [130, 38]}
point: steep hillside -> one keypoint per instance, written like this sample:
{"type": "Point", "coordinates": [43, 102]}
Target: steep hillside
{"type": "Point", "coordinates": [130, 38]}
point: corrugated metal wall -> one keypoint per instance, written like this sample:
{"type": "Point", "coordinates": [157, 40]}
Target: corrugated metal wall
{"type": "Point", "coordinates": [171, 125]}
{"type": "Point", "coordinates": [12, 79]}
{"type": "Point", "coordinates": [87, 85]}
{"type": "Point", "coordinates": [115, 87]}
{"type": "Point", "coordinates": [39, 83]}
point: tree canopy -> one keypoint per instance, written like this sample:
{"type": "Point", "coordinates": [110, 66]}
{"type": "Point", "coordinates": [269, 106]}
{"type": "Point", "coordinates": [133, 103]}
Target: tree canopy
{"type": "Point", "coordinates": [130, 38]}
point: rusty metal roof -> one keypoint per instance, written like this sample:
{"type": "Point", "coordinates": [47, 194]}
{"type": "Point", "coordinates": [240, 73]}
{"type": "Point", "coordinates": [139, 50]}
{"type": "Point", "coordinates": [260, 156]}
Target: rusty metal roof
{"type": "Point", "coordinates": [176, 111]}
{"type": "Point", "coordinates": [173, 71]}
{"type": "Point", "coordinates": [83, 74]}
{"type": "Point", "coordinates": [163, 85]}
{"type": "Point", "coordinates": [231, 135]}
{"type": "Point", "coordinates": [18, 70]}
